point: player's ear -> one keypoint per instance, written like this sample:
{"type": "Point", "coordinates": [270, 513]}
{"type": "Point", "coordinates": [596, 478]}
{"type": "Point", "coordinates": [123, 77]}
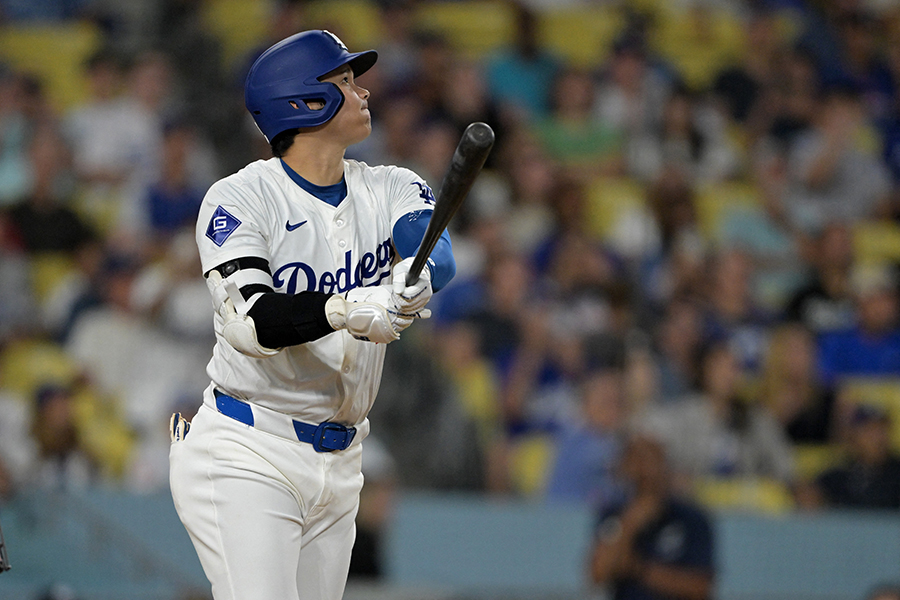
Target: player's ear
{"type": "Point", "coordinates": [310, 104]}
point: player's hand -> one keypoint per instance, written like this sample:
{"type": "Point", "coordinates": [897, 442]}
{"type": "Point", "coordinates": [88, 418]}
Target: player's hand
{"type": "Point", "coordinates": [413, 298]}
{"type": "Point", "coordinates": [371, 314]}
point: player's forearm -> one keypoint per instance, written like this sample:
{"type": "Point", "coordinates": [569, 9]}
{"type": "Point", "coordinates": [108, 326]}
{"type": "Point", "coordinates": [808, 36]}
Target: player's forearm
{"type": "Point", "coordinates": [407, 235]}
{"type": "Point", "coordinates": [677, 582]}
{"type": "Point", "coordinates": [442, 263]}
{"type": "Point", "coordinates": [368, 313]}
{"type": "Point", "coordinates": [603, 564]}
{"type": "Point", "coordinates": [284, 320]}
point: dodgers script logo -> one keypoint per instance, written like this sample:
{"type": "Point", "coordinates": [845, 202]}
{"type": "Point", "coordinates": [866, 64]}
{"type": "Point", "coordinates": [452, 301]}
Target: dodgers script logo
{"type": "Point", "coordinates": [370, 270]}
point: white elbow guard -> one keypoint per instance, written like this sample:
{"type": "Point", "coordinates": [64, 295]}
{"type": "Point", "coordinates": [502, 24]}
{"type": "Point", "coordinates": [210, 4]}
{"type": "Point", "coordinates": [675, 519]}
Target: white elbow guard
{"type": "Point", "coordinates": [239, 329]}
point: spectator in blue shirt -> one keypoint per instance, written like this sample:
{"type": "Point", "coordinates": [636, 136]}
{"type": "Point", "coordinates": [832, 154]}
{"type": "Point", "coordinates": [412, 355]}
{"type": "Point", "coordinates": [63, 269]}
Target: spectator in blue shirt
{"type": "Point", "coordinates": [871, 348]}
{"type": "Point", "coordinates": [587, 450]}
{"type": "Point", "coordinates": [655, 545]}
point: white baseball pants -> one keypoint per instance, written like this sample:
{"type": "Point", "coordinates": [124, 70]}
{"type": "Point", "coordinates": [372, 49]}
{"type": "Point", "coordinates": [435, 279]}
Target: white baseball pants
{"type": "Point", "coordinates": [270, 517]}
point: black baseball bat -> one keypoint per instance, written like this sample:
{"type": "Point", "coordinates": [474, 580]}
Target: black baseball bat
{"type": "Point", "coordinates": [471, 152]}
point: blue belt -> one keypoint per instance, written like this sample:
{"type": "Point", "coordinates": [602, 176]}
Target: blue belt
{"type": "Point", "coordinates": [324, 437]}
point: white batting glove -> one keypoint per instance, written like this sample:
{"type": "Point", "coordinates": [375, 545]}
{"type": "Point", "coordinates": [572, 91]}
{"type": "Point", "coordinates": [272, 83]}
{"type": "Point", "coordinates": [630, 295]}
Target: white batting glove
{"type": "Point", "coordinates": [370, 314]}
{"type": "Point", "coordinates": [412, 298]}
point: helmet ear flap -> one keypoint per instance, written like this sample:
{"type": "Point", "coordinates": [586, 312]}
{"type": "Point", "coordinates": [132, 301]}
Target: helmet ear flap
{"type": "Point", "coordinates": [317, 106]}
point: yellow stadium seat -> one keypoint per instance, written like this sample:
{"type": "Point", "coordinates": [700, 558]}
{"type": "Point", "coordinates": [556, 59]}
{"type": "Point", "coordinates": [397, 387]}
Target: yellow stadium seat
{"type": "Point", "coordinates": [473, 27]}
{"type": "Point", "coordinates": [876, 241]}
{"type": "Point", "coordinates": [718, 202]}
{"type": "Point", "coordinates": [646, 7]}
{"type": "Point", "coordinates": [744, 494]}
{"type": "Point", "coordinates": [582, 36]}
{"type": "Point", "coordinates": [356, 22]}
{"type": "Point", "coordinates": [699, 42]}
{"type": "Point", "coordinates": [239, 26]}
{"type": "Point", "coordinates": [883, 392]}
{"type": "Point", "coordinates": [609, 200]}
{"type": "Point", "coordinates": [102, 432]}
{"type": "Point", "coordinates": [27, 364]}
{"type": "Point", "coordinates": [47, 271]}
{"type": "Point", "coordinates": [530, 460]}
{"type": "Point", "coordinates": [812, 460]}
{"type": "Point", "coordinates": [55, 54]}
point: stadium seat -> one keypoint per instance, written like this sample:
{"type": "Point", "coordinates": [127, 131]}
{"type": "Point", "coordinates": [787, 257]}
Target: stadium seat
{"type": "Point", "coordinates": [474, 28]}
{"type": "Point", "coordinates": [47, 271]}
{"type": "Point", "coordinates": [102, 432]}
{"type": "Point", "coordinates": [27, 364]}
{"type": "Point", "coordinates": [751, 494]}
{"type": "Point", "coordinates": [698, 42]}
{"type": "Point", "coordinates": [238, 25]}
{"type": "Point", "coordinates": [716, 204]}
{"type": "Point", "coordinates": [876, 241]}
{"type": "Point", "coordinates": [580, 35]}
{"type": "Point", "coordinates": [356, 22]}
{"type": "Point", "coordinates": [883, 392]}
{"type": "Point", "coordinates": [55, 54]}
{"type": "Point", "coordinates": [813, 459]}
{"type": "Point", "coordinates": [530, 460]}
{"type": "Point", "coordinates": [611, 199]}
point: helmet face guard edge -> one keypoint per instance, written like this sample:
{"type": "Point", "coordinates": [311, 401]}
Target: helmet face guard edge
{"type": "Point", "coordinates": [286, 76]}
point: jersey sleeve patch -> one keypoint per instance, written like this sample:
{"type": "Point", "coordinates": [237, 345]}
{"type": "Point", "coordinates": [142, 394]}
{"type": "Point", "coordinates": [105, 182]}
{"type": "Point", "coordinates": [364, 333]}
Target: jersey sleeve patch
{"type": "Point", "coordinates": [425, 192]}
{"type": "Point", "coordinates": [221, 225]}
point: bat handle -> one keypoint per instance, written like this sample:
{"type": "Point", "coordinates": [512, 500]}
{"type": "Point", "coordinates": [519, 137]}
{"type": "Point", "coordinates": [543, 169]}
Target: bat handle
{"type": "Point", "coordinates": [416, 269]}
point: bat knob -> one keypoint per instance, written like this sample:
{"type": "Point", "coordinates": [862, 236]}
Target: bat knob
{"type": "Point", "coordinates": [479, 134]}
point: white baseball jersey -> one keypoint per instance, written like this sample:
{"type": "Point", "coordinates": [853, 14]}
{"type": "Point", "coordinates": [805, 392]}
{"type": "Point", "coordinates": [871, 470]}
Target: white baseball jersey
{"type": "Point", "coordinates": [310, 245]}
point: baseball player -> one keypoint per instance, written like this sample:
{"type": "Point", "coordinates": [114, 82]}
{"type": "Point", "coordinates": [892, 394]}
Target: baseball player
{"type": "Point", "coordinates": [306, 256]}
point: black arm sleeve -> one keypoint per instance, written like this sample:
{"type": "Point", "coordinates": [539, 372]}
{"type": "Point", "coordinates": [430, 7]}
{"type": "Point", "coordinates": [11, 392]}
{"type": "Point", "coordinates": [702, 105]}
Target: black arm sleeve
{"type": "Point", "coordinates": [287, 320]}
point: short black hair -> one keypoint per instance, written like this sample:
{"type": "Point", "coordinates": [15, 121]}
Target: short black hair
{"type": "Point", "coordinates": [282, 142]}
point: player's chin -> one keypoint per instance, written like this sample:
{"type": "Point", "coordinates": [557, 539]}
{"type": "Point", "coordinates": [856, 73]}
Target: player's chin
{"type": "Point", "coordinates": [365, 130]}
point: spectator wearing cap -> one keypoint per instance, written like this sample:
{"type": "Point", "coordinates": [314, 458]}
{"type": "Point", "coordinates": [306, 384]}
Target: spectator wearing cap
{"type": "Point", "coordinates": [870, 476]}
{"type": "Point", "coordinates": [871, 347]}
{"type": "Point", "coordinates": [656, 544]}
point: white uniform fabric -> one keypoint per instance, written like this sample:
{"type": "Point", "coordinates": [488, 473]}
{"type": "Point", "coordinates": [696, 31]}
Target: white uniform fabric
{"type": "Point", "coordinates": [269, 516]}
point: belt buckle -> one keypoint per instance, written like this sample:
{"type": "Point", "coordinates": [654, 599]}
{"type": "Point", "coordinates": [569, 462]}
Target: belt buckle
{"type": "Point", "coordinates": [320, 444]}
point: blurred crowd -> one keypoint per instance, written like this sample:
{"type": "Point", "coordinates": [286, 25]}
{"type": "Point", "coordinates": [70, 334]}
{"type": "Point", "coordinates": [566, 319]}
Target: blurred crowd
{"type": "Point", "coordinates": [690, 239]}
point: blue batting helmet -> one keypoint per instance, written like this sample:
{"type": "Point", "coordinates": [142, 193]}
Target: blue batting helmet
{"type": "Point", "coordinates": [286, 76]}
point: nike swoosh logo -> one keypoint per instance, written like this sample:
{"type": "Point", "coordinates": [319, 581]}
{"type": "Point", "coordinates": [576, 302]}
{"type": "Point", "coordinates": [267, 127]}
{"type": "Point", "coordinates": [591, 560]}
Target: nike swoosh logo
{"type": "Point", "coordinates": [295, 226]}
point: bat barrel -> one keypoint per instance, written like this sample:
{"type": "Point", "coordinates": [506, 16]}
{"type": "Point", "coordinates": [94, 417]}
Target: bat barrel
{"type": "Point", "coordinates": [471, 152]}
